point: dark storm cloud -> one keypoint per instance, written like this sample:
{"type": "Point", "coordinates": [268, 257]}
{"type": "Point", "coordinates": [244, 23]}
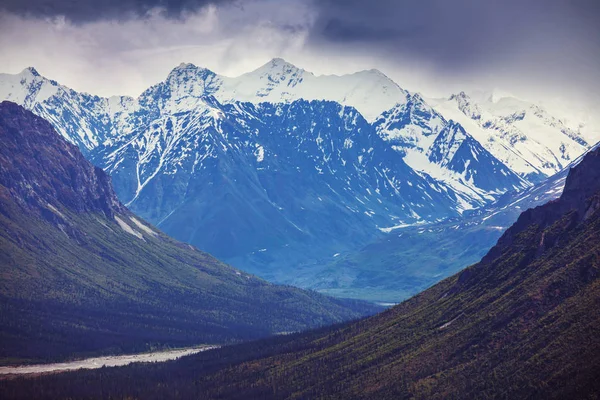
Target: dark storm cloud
{"type": "Point", "coordinates": [458, 32]}
{"type": "Point", "coordinates": [537, 46]}
{"type": "Point", "coordinates": [348, 31]}
{"type": "Point", "coordinates": [81, 11]}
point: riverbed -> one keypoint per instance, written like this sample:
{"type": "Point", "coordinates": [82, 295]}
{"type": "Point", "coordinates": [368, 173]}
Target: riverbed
{"type": "Point", "coordinates": [107, 361]}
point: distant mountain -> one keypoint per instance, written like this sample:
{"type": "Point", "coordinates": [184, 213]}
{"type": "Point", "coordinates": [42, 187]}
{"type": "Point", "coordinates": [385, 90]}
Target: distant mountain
{"type": "Point", "coordinates": [82, 274]}
{"type": "Point", "coordinates": [521, 323]}
{"type": "Point", "coordinates": [280, 172]}
{"type": "Point", "coordinates": [445, 151]}
{"type": "Point", "coordinates": [523, 135]}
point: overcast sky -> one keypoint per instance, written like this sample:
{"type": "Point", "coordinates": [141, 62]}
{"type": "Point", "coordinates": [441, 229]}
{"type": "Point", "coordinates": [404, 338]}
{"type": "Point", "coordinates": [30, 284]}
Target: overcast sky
{"type": "Point", "coordinates": [536, 49]}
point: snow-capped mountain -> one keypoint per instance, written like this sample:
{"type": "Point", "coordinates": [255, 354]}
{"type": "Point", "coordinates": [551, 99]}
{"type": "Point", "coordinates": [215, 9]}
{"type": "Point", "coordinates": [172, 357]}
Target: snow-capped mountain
{"type": "Point", "coordinates": [83, 119]}
{"type": "Point", "coordinates": [253, 183]}
{"type": "Point", "coordinates": [444, 150]}
{"type": "Point", "coordinates": [304, 179]}
{"type": "Point", "coordinates": [370, 92]}
{"type": "Point", "coordinates": [522, 135]}
{"type": "Point", "coordinates": [279, 167]}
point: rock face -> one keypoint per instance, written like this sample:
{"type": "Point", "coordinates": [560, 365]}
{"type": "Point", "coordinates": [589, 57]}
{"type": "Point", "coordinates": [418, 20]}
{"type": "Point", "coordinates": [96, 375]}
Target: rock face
{"type": "Point", "coordinates": [579, 200]}
{"type": "Point", "coordinates": [582, 183]}
{"type": "Point", "coordinates": [55, 173]}
{"type": "Point", "coordinates": [458, 152]}
{"type": "Point", "coordinates": [82, 274]}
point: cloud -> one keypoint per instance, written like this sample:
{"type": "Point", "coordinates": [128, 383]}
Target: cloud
{"type": "Point", "coordinates": [533, 42]}
{"type": "Point", "coordinates": [533, 48]}
{"type": "Point", "coordinates": [85, 11]}
{"type": "Point", "coordinates": [458, 32]}
{"type": "Point", "coordinates": [108, 57]}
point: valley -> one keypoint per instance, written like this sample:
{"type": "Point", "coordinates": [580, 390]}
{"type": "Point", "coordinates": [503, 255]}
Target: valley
{"type": "Point", "coordinates": [82, 276]}
{"type": "Point", "coordinates": [520, 323]}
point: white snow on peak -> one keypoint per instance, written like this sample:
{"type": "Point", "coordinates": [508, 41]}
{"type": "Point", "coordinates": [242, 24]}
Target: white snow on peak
{"type": "Point", "coordinates": [278, 81]}
{"type": "Point", "coordinates": [275, 67]}
{"type": "Point", "coordinates": [521, 134]}
{"type": "Point", "coordinates": [26, 87]}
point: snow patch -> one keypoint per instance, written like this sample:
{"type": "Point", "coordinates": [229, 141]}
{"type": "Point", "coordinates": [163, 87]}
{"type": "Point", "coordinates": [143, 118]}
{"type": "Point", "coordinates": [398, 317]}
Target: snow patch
{"type": "Point", "coordinates": [128, 228]}
{"type": "Point", "coordinates": [142, 226]}
{"type": "Point", "coordinates": [259, 153]}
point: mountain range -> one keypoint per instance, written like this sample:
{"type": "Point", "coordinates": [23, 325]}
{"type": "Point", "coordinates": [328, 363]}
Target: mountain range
{"type": "Point", "coordinates": [520, 323]}
{"type": "Point", "coordinates": [82, 275]}
{"type": "Point", "coordinates": [279, 171]}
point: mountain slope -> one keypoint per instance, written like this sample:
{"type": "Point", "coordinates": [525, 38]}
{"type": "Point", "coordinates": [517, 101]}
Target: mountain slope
{"type": "Point", "coordinates": [82, 274]}
{"type": "Point", "coordinates": [521, 323]}
{"type": "Point", "coordinates": [409, 259]}
{"type": "Point", "coordinates": [281, 184]}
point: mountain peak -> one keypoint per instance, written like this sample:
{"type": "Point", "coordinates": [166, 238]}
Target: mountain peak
{"type": "Point", "coordinates": [30, 71]}
{"type": "Point", "coordinates": [278, 66]}
{"type": "Point", "coordinates": [190, 80]}
{"type": "Point", "coordinates": [187, 68]}
{"type": "Point", "coordinates": [185, 65]}
{"type": "Point", "coordinates": [375, 71]}
{"type": "Point", "coordinates": [280, 62]}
